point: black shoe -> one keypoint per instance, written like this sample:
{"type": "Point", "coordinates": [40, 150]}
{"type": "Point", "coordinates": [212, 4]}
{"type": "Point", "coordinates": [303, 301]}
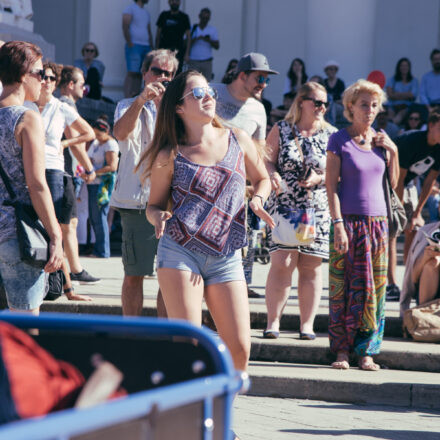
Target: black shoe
{"type": "Point", "coordinates": [393, 293]}
{"type": "Point", "coordinates": [84, 278]}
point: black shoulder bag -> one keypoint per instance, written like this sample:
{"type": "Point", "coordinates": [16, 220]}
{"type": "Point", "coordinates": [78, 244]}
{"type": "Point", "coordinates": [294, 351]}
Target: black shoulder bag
{"type": "Point", "coordinates": [395, 211]}
{"type": "Point", "coordinates": [33, 239]}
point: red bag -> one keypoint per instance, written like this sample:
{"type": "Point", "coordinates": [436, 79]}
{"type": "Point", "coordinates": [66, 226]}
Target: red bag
{"type": "Point", "coordinates": [32, 380]}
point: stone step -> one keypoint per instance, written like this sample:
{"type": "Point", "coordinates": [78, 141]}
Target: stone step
{"type": "Point", "coordinates": [289, 321]}
{"type": "Point", "coordinates": [317, 382]}
{"type": "Point", "coordinates": [396, 353]}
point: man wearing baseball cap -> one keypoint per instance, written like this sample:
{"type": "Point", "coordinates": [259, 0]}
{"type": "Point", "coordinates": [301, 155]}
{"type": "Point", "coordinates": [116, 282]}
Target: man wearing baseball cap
{"type": "Point", "coordinates": [239, 105]}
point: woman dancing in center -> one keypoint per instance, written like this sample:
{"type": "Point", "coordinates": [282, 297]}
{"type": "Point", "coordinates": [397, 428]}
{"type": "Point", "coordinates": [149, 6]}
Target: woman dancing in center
{"type": "Point", "coordinates": [202, 167]}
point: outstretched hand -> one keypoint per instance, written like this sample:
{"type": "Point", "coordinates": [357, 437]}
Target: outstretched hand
{"type": "Point", "coordinates": [257, 207]}
{"type": "Point", "coordinates": [159, 220]}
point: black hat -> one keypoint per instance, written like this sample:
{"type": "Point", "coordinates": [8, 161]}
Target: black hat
{"type": "Point", "coordinates": [254, 61]}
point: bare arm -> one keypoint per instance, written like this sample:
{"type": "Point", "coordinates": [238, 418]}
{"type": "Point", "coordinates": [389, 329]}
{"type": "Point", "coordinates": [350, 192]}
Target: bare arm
{"type": "Point", "coordinates": [125, 125]}
{"type": "Point", "coordinates": [111, 159]}
{"type": "Point", "coordinates": [79, 151]}
{"type": "Point", "coordinates": [272, 150]}
{"type": "Point", "coordinates": [82, 133]}
{"type": "Point", "coordinates": [429, 182]}
{"type": "Point", "coordinates": [126, 20]}
{"type": "Point", "coordinates": [30, 136]}
{"type": "Point", "coordinates": [257, 174]}
{"type": "Point", "coordinates": [401, 183]}
{"type": "Point", "coordinates": [160, 190]}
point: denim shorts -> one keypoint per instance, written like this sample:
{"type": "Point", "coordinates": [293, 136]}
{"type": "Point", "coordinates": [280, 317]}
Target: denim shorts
{"type": "Point", "coordinates": [213, 270]}
{"type": "Point", "coordinates": [25, 286]}
{"type": "Point", "coordinates": [134, 56]}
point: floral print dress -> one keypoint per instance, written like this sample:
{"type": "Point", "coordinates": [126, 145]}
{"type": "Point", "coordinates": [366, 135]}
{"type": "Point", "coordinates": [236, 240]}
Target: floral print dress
{"type": "Point", "coordinates": [289, 166]}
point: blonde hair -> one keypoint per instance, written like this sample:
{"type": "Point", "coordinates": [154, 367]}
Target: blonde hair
{"type": "Point", "coordinates": [293, 116]}
{"type": "Point", "coordinates": [352, 93]}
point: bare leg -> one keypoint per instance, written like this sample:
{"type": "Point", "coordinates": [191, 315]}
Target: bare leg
{"type": "Point", "coordinates": [429, 280]}
{"type": "Point", "coordinates": [132, 295]}
{"type": "Point", "coordinates": [182, 293]}
{"type": "Point", "coordinates": [160, 306]}
{"type": "Point", "coordinates": [392, 253]}
{"type": "Point", "coordinates": [229, 306]}
{"type": "Point", "coordinates": [309, 290]}
{"type": "Point", "coordinates": [70, 241]}
{"type": "Point", "coordinates": [278, 284]}
{"type": "Point", "coordinates": [409, 237]}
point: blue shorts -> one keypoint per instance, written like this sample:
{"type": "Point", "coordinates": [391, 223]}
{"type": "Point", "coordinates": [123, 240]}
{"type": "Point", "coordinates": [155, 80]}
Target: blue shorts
{"type": "Point", "coordinates": [134, 56]}
{"type": "Point", "coordinates": [213, 270]}
{"type": "Point", "coordinates": [25, 286]}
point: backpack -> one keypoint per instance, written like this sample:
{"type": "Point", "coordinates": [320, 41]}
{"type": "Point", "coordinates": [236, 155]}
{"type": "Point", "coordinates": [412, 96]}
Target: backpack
{"type": "Point", "coordinates": [422, 323]}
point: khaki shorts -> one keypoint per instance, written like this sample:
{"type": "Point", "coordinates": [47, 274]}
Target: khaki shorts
{"type": "Point", "coordinates": [139, 243]}
{"type": "Point", "coordinates": [410, 201]}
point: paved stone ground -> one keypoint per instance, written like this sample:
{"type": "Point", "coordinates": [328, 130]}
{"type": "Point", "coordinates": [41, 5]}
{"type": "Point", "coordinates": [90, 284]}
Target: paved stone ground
{"type": "Point", "coordinates": [286, 419]}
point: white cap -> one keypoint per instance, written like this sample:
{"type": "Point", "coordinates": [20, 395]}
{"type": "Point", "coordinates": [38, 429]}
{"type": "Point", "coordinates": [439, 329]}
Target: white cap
{"type": "Point", "coordinates": [331, 63]}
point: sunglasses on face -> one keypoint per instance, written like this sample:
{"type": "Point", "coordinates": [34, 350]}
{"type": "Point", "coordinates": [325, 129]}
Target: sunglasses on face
{"type": "Point", "coordinates": [157, 71]}
{"type": "Point", "coordinates": [49, 78]}
{"type": "Point", "coordinates": [317, 103]}
{"type": "Point", "coordinates": [39, 72]}
{"type": "Point", "coordinates": [89, 50]}
{"type": "Point", "coordinates": [200, 92]}
{"type": "Point", "coordinates": [262, 79]}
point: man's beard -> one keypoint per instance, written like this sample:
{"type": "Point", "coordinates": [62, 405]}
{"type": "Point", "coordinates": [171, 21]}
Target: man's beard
{"type": "Point", "coordinates": [436, 67]}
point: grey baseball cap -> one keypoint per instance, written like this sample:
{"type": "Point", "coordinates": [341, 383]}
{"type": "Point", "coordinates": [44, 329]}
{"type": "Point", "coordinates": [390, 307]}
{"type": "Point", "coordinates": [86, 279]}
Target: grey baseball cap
{"type": "Point", "coordinates": [254, 61]}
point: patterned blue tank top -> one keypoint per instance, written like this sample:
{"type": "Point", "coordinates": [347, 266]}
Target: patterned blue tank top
{"type": "Point", "coordinates": [11, 158]}
{"type": "Point", "coordinates": [208, 204]}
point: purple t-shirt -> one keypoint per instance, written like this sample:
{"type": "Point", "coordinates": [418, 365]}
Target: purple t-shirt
{"type": "Point", "coordinates": [361, 189]}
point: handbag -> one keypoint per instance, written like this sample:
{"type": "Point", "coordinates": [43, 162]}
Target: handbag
{"type": "Point", "coordinates": [422, 323]}
{"type": "Point", "coordinates": [294, 227]}
{"type": "Point", "coordinates": [56, 281]}
{"type": "Point", "coordinates": [395, 211]}
{"type": "Point", "coordinates": [33, 239]}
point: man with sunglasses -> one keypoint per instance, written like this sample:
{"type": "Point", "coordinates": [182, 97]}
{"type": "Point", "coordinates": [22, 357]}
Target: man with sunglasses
{"type": "Point", "coordinates": [239, 105]}
{"type": "Point", "coordinates": [135, 120]}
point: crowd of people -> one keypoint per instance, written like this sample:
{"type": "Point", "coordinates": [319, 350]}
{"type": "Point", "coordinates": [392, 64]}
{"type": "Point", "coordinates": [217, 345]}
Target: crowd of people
{"type": "Point", "coordinates": [192, 167]}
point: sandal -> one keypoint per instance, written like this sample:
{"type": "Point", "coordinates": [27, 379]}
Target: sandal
{"type": "Point", "coordinates": [366, 363]}
{"type": "Point", "coordinates": [271, 334]}
{"type": "Point", "coordinates": [341, 362]}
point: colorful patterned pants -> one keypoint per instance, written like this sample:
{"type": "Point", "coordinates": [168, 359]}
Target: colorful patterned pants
{"type": "Point", "coordinates": [357, 284]}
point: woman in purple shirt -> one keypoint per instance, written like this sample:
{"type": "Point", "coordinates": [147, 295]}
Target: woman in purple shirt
{"type": "Point", "coordinates": [359, 233]}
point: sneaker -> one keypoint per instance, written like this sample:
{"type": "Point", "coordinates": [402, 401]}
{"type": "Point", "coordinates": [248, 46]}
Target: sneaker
{"type": "Point", "coordinates": [392, 293]}
{"type": "Point", "coordinates": [253, 294]}
{"type": "Point", "coordinates": [84, 278]}
{"type": "Point", "coordinates": [152, 276]}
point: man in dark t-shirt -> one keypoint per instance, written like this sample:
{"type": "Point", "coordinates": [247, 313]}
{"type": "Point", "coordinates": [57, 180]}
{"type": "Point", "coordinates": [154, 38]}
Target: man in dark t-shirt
{"type": "Point", "coordinates": [419, 154]}
{"type": "Point", "coordinates": [172, 26]}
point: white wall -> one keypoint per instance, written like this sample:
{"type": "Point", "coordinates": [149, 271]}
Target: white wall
{"type": "Point", "coordinates": [362, 35]}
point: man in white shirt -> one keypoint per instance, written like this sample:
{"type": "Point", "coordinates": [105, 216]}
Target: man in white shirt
{"type": "Point", "coordinates": [204, 38]}
{"type": "Point", "coordinates": [138, 40]}
{"type": "Point", "coordinates": [135, 121]}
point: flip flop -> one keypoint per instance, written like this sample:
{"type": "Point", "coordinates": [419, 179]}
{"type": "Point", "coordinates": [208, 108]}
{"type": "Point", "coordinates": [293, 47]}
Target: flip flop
{"type": "Point", "coordinates": [271, 334]}
{"type": "Point", "coordinates": [341, 362]}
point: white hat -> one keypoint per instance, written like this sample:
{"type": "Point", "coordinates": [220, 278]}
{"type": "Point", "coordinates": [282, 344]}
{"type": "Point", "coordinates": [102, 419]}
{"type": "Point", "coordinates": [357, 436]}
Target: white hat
{"type": "Point", "coordinates": [331, 63]}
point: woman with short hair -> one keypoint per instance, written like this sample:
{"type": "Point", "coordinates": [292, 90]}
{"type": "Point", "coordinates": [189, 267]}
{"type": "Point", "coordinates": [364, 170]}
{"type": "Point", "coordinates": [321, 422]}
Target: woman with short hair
{"type": "Point", "coordinates": [359, 233]}
{"type": "Point", "coordinates": [22, 159]}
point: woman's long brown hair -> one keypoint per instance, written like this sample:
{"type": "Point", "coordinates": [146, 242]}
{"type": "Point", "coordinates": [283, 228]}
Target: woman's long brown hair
{"type": "Point", "coordinates": [170, 130]}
